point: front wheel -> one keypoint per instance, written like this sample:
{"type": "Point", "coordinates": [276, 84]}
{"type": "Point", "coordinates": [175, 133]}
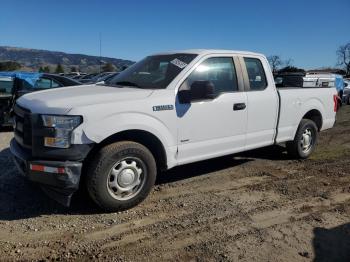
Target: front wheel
{"type": "Point", "coordinates": [305, 140]}
{"type": "Point", "coordinates": [121, 176]}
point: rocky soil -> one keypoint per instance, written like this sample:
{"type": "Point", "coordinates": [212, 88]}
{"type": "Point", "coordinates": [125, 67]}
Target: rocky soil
{"type": "Point", "coordinates": [255, 206]}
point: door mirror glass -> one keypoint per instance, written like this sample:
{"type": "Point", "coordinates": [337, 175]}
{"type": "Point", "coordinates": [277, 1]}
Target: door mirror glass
{"type": "Point", "coordinates": [199, 90]}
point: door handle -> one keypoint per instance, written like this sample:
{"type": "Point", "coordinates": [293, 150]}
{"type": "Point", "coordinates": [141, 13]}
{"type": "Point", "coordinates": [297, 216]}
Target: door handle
{"type": "Point", "coordinates": [239, 106]}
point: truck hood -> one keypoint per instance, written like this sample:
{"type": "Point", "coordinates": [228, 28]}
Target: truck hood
{"type": "Point", "coordinates": [62, 100]}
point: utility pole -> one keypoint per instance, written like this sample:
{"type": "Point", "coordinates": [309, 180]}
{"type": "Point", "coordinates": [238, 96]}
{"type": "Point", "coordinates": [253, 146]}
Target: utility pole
{"type": "Point", "coordinates": [100, 52]}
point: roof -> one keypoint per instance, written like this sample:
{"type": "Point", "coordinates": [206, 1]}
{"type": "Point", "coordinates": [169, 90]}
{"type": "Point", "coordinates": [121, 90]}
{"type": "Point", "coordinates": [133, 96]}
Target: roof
{"type": "Point", "coordinates": [29, 77]}
{"type": "Point", "coordinates": [323, 75]}
{"type": "Point", "coordinates": [19, 74]}
{"type": "Point", "coordinates": [207, 52]}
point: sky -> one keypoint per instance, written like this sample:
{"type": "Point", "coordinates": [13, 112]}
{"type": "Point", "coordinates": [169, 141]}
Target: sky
{"type": "Point", "coordinates": [307, 31]}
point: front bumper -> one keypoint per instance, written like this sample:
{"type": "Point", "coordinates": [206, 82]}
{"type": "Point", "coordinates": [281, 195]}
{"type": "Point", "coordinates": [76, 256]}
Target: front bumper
{"type": "Point", "coordinates": [59, 186]}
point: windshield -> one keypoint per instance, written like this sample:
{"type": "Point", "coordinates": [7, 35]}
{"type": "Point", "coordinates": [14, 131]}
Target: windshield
{"type": "Point", "coordinates": [153, 72]}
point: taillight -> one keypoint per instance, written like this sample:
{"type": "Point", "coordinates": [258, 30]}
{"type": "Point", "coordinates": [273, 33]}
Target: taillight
{"type": "Point", "coordinates": [335, 99]}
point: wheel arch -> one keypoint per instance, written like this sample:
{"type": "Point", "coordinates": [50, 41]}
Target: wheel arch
{"type": "Point", "coordinates": [145, 138]}
{"type": "Point", "coordinates": [315, 116]}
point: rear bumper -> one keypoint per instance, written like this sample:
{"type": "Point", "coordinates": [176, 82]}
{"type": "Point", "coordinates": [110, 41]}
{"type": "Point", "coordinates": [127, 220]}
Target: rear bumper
{"type": "Point", "coordinates": [59, 186]}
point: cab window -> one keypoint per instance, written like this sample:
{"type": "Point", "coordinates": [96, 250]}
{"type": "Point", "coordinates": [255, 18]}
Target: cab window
{"type": "Point", "coordinates": [218, 70]}
{"type": "Point", "coordinates": [256, 74]}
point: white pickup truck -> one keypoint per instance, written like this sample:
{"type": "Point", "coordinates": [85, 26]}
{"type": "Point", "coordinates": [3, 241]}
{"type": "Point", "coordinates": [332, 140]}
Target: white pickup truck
{"type": "Point", "coordinates": [169, 109]}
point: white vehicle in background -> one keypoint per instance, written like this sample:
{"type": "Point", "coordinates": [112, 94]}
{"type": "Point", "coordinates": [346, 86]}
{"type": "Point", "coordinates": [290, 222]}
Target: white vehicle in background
{"type": "Point", "coordinates": [325, 80]}
{"type": "Point", "coordinates": [346, 94]}
{"type": "Point", "coordinates": [167, 110]}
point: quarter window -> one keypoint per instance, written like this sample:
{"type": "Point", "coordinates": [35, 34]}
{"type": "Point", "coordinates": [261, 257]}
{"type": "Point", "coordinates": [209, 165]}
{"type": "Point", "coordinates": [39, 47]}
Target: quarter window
{"type": "Point", "coordinates": [218, 70]}
{"type": "Point", "coordinates": [256, 74]}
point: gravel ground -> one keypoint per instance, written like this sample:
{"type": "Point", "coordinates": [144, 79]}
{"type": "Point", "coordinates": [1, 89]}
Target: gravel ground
{"type": "Point", "coordinates": [256, 206]}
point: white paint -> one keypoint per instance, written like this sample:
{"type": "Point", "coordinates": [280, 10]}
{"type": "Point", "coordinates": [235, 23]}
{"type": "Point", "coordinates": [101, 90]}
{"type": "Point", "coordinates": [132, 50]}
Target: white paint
{"type": "Point", "coordinates": [189, 133]}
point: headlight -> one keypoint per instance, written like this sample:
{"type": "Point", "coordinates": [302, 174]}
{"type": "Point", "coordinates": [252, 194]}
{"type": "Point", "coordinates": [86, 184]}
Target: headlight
{"type": "Point", "coordinates": [63, 125]}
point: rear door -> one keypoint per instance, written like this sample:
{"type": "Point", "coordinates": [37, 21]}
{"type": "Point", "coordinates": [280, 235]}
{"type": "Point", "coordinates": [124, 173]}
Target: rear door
{"type": "Point", "coordinates": [262, 100]}
{"type": "Point", "coordinates": [217, 126]}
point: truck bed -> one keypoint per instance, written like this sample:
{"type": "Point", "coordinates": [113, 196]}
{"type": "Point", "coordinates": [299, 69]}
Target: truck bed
{"type": "Point", "coordinates": [295, 102]}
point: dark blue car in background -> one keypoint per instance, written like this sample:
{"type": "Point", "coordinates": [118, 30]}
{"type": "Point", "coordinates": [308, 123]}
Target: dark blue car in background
{"type": "Point", "coordinates": [16, 84]}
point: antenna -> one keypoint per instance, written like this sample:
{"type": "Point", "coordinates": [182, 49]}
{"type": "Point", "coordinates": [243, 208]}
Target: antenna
{"type": "Point", "coordinates": [100, 52]}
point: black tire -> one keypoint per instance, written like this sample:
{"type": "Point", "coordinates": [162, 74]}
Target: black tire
{"type": "Point", "coordinates": [114, 158]}
{"type": "Point", "coordinates": [295, 148]}
{"type": "Point", "coordinates": [348, 102]}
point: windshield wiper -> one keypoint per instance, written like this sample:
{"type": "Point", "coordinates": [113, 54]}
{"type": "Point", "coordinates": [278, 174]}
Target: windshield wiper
{"type": "Point", "coordinates": [127, 83]}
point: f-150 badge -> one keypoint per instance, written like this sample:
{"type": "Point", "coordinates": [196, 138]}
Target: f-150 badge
{"type": "Point", "coordinates": [163, 107]}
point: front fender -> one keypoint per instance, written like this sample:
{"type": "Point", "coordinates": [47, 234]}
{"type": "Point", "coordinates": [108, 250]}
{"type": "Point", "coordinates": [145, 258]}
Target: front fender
{"type": "Point", "coordinates": [113, 124]}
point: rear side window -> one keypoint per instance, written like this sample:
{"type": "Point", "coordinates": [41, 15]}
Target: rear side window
{"type": "Point", "coordinates": [218, 70]}
{"type": "Point", "coordinates": [6, 86]}
{"type": "Point", "coordinates": [256, 74]}
{"type": "Point", "coordinates": [45, 83]}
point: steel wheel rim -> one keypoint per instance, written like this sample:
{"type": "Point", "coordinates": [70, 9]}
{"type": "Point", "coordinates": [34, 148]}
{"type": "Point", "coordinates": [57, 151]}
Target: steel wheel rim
{"type": "Point", "coordinates": [307, 140]}
{"type": "Point", "coordinates": [126, 178]}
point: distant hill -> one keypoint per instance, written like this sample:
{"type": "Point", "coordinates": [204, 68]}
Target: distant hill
{"type": "Point", "coordinates": [33, 59]}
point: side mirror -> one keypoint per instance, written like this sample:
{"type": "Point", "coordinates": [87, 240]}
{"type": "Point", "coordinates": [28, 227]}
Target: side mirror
{"type": "Point", "coordinates": [346, 84]}
{"type": "Point", "coordinates": [199, 90]}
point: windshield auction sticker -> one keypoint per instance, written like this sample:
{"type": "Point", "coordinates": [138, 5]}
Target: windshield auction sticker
{"type": "Point", "coordinates": [178, 63]}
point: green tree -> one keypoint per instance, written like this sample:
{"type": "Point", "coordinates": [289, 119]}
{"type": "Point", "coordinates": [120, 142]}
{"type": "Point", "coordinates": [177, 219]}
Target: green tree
{"type": "Point", "coordinates": [59, 69]}
{"type": "Point", "coordinates": [124, 67]}
{"type": "Point", "coordinates": [9, 66]}
{"type": "Point", "coordinates": [41, 69]}
{"type": "Point", "coordinates": [73, 69]}
{"type": "Point", "coordinates": [46, 69]}
{"type": "Point", "coordinates": [108, 67]}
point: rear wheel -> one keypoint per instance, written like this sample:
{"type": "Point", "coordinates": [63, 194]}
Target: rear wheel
{"type": "Point", "coordinates": [121, 176]}
{"type": "Point", "coordinates": [305, 140]}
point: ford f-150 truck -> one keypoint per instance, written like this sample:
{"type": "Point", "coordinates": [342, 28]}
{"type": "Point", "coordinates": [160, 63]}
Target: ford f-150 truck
{"type": "Point", "coordinates": [169, 109]}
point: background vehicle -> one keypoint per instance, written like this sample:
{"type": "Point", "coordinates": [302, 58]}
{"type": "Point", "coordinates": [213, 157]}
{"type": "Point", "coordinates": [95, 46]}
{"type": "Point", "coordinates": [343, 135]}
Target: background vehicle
{"type": "Point", "coordinates": [16, 84]}
{"type": "Point", "coordinates": [72, 74]}
{"type": "Point", "coordinates": [167, 110]}
{"type": "Point", "coordinates": [107, 77]}
{"type": "Point", "coordinates": [325, 80]}
{"type": "Point", "coordinates": [289, 80]}
{"type": "Point", "coordinates": [6, 84]}
{"type": "Point", "coordinates": [87, 78]}
{"type": "Point", "coordinates": [95, 78]}
{"type": "Point", "coordinates": [346, 94]}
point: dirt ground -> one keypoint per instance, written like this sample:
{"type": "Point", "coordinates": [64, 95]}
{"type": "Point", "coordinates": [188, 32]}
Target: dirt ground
{"type": "Point", "coordinates": [256, 206]}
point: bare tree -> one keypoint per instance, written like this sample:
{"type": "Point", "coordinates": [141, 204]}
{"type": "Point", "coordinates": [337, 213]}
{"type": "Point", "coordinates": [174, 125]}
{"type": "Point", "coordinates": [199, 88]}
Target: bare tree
{"type": "Point", "coordinates": [289, 62]}
{"type": "Point", "coordinates": [275, 62]}
{"type": "Point", "coordinates": [343, 54]}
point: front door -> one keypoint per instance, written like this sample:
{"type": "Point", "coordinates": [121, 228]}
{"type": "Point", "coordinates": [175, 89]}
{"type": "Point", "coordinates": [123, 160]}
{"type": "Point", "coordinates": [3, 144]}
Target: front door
{"type": "Point", "coordinates": [215, 126]}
